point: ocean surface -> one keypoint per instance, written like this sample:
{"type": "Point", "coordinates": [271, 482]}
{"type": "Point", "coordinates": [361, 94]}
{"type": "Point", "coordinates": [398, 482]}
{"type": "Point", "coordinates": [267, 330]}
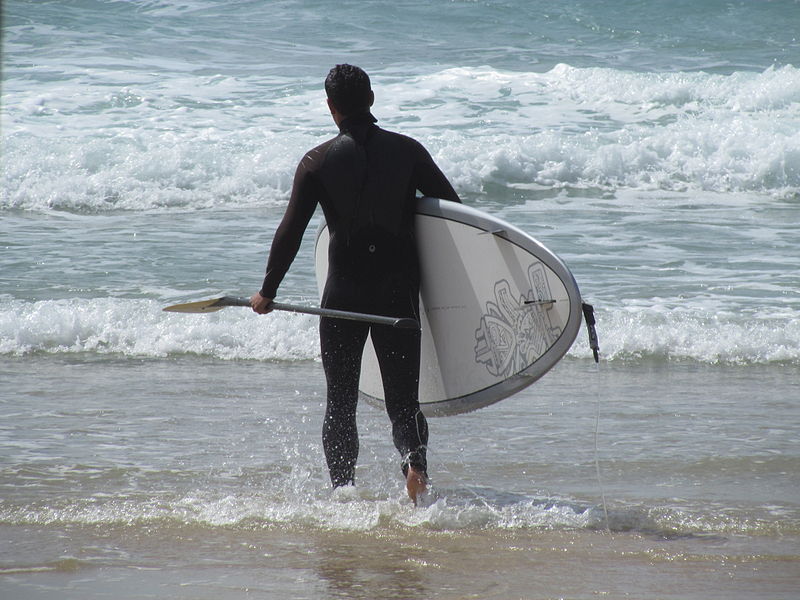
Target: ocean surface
{"type": "Point", "coordinates": [148, 149]}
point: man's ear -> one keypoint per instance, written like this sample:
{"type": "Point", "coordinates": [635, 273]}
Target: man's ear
{"type": "Point", "coordinates": [337, 116]}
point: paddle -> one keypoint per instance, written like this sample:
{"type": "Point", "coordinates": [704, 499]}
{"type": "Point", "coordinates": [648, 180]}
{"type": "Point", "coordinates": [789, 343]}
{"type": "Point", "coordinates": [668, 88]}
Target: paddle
{"type": "Point", "coordinates": [215, 304]}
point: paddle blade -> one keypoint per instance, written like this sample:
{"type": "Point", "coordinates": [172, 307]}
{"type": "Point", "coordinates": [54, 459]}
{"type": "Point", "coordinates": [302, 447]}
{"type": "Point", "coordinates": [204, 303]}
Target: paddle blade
{"type": "Point", "coordinates": [203, 306]}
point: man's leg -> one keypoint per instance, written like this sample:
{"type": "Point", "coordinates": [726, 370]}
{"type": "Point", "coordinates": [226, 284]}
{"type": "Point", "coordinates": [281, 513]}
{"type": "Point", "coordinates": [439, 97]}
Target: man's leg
{"type": "Point", "coordinates": [341, 343]}
{"type": "Point", "coordinates": [398, 354]}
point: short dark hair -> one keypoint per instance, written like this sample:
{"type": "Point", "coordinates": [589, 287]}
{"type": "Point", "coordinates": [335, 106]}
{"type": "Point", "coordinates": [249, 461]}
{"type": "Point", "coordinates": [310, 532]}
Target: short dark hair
{"type": "Point", "coordinates": [348, 88]}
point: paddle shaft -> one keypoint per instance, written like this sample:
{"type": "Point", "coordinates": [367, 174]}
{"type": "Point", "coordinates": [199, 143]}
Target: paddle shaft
{"type": "Point", "coordinates": [400, 323]}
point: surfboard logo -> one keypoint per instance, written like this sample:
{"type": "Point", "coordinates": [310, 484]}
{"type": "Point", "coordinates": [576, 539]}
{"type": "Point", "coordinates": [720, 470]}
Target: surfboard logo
{"type": "Point", "coordinates": [512, 335]}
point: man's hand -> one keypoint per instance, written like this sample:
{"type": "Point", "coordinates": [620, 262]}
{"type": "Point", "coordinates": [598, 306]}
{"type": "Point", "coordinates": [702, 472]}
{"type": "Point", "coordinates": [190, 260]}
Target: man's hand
{"type": "Point", "coordinates": [260, 304]}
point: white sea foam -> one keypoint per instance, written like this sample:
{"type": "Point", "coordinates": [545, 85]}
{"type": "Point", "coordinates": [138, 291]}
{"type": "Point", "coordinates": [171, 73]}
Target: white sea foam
{"type": "Point", "coordinates": [602, 127]}
{"type": "Point", "coordinates": [100, 142]}
{"type": "Point", "coordinates": [139, 328]}
{"type": "Point", "coordinates": [358, 509]}
{"type": "Point", "coordinates": [327, 512]}
{"type": "Point", "coordinates": [633, 333]}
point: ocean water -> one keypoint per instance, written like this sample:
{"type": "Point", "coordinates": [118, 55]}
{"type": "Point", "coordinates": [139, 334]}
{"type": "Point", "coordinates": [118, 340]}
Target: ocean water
{"type": "Point", "coordinates": [148, 149]}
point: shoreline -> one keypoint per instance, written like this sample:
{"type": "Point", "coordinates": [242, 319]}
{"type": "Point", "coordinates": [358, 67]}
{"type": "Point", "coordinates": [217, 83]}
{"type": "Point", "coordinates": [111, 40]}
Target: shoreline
{"type": "Point", "coordinates": [401, 563]}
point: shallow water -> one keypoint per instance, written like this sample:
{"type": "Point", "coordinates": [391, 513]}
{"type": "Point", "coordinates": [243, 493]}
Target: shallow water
{"type": "Point", "coordinates": [195, 477]}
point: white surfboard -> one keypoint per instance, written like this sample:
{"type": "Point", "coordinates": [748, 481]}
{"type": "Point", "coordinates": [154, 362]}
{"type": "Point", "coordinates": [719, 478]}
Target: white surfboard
{"type": "Point", "coordinates": [498, 309]}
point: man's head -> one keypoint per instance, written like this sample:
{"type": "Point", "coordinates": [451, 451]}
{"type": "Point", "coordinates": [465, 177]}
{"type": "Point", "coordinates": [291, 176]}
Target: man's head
{"type": "Point", "coordinates": [348, 90]}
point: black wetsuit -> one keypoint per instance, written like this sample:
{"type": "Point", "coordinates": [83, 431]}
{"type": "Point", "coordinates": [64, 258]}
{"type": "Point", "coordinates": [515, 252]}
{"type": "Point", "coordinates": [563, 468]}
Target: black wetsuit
{"type": "Point", "coordinates": [366, 181]}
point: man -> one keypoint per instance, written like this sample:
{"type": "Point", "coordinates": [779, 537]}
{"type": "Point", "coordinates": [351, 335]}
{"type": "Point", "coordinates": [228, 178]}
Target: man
{"type": "Point", "coordinates": [366, 181]}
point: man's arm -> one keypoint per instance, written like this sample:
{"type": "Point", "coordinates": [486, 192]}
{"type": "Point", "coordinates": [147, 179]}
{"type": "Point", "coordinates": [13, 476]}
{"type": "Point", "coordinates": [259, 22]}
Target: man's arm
{"type": "Point", "coordinates": [289, 235]}
{"type": "Point", "coordinates": [430, 180]}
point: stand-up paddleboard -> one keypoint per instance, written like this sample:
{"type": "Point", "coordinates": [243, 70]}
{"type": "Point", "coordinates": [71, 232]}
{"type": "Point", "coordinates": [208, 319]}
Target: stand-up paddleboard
{"type": "Point", "coordinates": [498, 309]}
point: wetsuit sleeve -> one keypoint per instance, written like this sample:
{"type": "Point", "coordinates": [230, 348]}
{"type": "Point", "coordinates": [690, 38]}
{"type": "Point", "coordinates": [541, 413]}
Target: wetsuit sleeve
{"type": "Point", "coordinates": [430, 180]}
{"type": "Point", "coordinates": [306, 191]}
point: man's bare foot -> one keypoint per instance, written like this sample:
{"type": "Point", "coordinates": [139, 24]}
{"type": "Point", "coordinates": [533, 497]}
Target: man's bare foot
{"type": "Point", "coordinates": [416, 484]}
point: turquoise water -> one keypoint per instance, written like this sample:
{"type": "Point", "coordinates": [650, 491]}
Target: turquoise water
{"type": "Point", "coordinates": [148, 149]}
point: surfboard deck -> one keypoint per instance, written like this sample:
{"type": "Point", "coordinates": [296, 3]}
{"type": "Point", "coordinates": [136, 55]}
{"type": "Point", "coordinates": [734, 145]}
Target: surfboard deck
{"type": "Point", "coordinates": [498, 309]}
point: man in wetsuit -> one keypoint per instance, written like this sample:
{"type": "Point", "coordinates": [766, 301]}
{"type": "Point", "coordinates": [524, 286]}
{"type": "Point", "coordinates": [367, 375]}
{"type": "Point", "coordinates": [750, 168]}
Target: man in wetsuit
{"type": "Point", "coordinates": [366, 180]}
